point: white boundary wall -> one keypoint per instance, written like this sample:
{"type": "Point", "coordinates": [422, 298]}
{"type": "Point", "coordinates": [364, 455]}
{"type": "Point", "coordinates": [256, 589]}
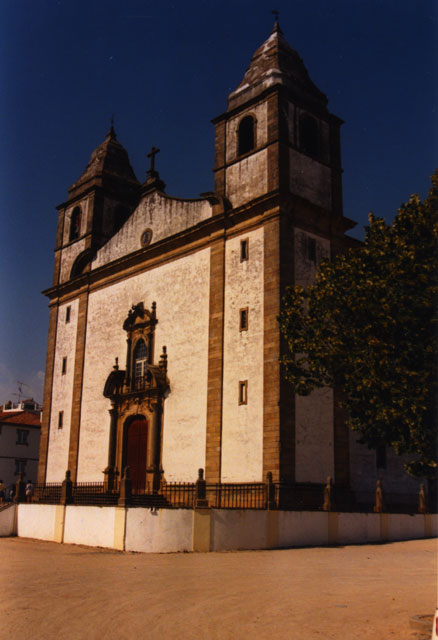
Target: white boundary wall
{"type": "Point", "coordinates": [172, 530]}
{"type": "Point", "coordinates": [7, 521]}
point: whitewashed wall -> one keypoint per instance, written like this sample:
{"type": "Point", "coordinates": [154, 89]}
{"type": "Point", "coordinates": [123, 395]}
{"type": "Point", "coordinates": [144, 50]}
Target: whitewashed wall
{"type": "Point", "coordinates": [165, 216]}
{"type": "Point", "coordinates": [92, 526]}
{"type": "Point", "coordinates": [314, 456]}
{"type": "Point", "coordinates": [161, 531]}
{"type": "Point", "coordinates": [181, 291]}
{"type": "Point", "coordinates": [36, 521]}
{"type": "Point", "coordinates": [242, 428]}
{"type": "Point", "coordinates": [62, 393]}
{"type": "Point", "coordinates": [7, 521]}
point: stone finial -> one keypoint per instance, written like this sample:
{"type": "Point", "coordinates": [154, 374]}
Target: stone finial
{"type": "Point", "coordinates": [68, 474]}
{"type": "Point", "coordinates": [163, 359]}
{"type": "Point", "coordinates": [379, 506]}
{"type": "Point", "coordinates": [328, 495]}
{"type": "Point", "coordinates": [116, 365]}
{"type": "Point", "coordinates": [422, 500]}
{"type": "Point", "coordinates": [200, 474]}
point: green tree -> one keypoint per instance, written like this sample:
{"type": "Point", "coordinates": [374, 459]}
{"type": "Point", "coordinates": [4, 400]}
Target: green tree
{"type": "Point", "coordinates": [368, 326]}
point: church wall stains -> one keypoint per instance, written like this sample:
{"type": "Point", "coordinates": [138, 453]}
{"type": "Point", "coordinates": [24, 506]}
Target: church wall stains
{"type": "Point", "coordinates": [247, 179]}
{"type": "Point", "coordinates": [310, 179]}
{"type": "Point", "coordinates": [242, 430]}
{"type": "Point", "coordinates": [181, 291]}
{"type": "Point", "coordinates": [62, 393]}
{"type": "Point", "coordinates": [163, 215]}
{"type": "Point", "coordinates": [313, 414]}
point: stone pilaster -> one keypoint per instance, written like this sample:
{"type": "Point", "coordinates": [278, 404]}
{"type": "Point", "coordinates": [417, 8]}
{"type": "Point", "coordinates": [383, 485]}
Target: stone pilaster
{"type": "Point", "coordinates": [73, 453]}
{"type": "Point", "coordinates": [215, 362]}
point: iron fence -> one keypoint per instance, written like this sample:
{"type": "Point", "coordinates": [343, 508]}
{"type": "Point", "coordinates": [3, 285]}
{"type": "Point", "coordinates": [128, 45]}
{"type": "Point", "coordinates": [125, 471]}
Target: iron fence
{"type": "Point", "coordinates": [47, 492]}
{"type": "Point", "coordinates": [180, 495]}
{"type": "Point", "coordinates": [92, 493]}
{"type": "Point", "coordinates": [257, 495]}
{"type": "Point", "coordinates": [252, 495]}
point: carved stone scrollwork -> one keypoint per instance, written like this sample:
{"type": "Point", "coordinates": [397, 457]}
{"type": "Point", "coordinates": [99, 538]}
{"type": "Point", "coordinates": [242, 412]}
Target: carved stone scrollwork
{"type": "Point", "coordinates": [140, 390]}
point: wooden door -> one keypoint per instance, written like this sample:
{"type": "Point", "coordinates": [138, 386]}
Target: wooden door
{"type": "Point", "coordinates": [136, 448]}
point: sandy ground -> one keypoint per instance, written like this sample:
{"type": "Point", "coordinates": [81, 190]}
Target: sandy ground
{"type": "Point", "coordinates": [66, 591]}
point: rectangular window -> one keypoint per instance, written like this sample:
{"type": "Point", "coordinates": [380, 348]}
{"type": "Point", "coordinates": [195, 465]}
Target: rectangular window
{"type": "Point", "coordinates": [22, 436]}
{"type": "Point", "coordinates": [64, 365]}
{"type": "Point", "coordinates": [244, 250]}
{"type": "Point", "coordinates": [67, 314]}
{"type": "Point", "coordinates": [243, 392]}
{"type": "Point", "coordinates": [311, 249]}
{"type": "Point", "coordinates": [20, 467]}
{"type": "Point", "coordinates": [60, 419]}
{"type": "Point", "coordinates": [243, 319]}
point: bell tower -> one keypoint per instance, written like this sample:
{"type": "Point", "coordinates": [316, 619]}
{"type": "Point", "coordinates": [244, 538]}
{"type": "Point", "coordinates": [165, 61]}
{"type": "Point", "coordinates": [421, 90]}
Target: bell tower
{"type": "Point", "coordinates": [277, 136]}
{"type": "Point", "coordinates": [98, 204]}
{"type": "Point", "coordinates": [278, 164]}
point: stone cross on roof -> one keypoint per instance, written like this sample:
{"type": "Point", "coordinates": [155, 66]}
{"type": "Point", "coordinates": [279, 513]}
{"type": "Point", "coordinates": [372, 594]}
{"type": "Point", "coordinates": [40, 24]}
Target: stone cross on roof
{"type": "Point", "coordinates": [152, 153]}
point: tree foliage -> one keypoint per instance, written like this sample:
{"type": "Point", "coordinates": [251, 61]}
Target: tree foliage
{"type": "Point", "coordinates": [368, 326]}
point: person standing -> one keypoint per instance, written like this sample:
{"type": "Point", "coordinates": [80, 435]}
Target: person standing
{"type": "Point", "coordinates": [29, 491]}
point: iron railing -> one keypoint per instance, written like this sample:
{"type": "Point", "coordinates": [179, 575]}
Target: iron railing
{"type": "Point", "coordinates": [257, 495]}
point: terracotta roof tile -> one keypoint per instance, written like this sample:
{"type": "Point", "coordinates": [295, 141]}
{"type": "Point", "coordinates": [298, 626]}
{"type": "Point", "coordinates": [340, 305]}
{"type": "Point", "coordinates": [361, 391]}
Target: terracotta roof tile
{"type": "Point", "coordinates": [20, 417]}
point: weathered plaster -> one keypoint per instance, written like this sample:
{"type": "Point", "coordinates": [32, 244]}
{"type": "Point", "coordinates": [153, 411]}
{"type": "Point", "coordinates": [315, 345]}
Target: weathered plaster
{"type": "Point", "coordinates": [310, 179]}
{"type": "Point", "coordinates": [62, 392]}
{"type": "Point", "coordinates": [165, 216]}
{"type": "Point", "coordinates": [248, 178]}
{"type": "Point", "coordinates": [242, 429]}
{"type": "Point", "coordinates": [181, 291]}
{"type": "Point", "coordinates": [159, 531]}
{"type": "Point", "coordinates": [93, 526]}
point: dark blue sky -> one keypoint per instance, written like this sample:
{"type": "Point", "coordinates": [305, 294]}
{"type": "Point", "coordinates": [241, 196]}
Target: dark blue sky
{"type": "Point", "coordinates": [165, 69]}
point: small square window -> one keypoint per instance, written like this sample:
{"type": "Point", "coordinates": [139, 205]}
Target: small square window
{"type": "Point", "coordinates": [22, 436]}
{"type": "Point", "coordinates": [311, 250]}
{"type": "Point", "coordinates": [243, 392]}
{"type": "Point", "coordinates": [244, 254]}
{"type": "Point", "coordinates": [64, 365]}
{"type": "Point", "coordinates": [60, 419]}
{"type": "Point", "coordinates": [67, 314]}
{"type": "Point", "coordinates": [243, 319]}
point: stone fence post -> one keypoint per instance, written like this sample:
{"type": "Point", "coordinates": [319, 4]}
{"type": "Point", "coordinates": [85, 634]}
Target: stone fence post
{"type": "Point", "coordinates": [379, 506]}
{"type": "Point", "coordinates": [125, 489]}
{"type": "Point", "coordinates": [270, 492]}
{"type": "Point", "coordinates": [20, 489]}
{"type": "Point", "coordinates": [67, 489]}
{"type": "Point", "coordinates": [328, 496]}
{"type": "Point", "coordinates": [201, 501]}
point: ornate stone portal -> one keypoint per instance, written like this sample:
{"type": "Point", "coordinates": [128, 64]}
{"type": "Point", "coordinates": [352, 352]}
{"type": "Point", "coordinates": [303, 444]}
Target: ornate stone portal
{"type": "Point", "coordinates": [137, 397]}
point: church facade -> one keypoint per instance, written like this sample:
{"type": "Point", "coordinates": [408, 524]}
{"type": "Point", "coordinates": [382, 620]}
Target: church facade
{"type": "Point", "coordinates": [164, 346]}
